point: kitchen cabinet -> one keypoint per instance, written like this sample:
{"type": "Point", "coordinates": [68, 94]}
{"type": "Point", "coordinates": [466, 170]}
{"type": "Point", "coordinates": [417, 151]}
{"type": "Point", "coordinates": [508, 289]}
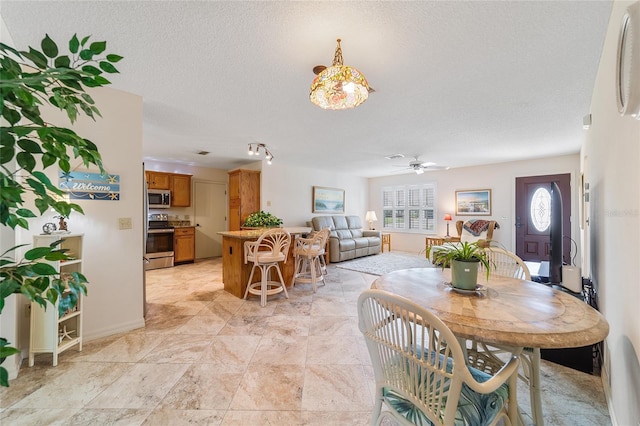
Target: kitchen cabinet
{"type": "Point", "coordinates": [244, 196]}
{"type": "Point", "coordinates": [49, 332]}
{"type": "Point", "coordinates": [180, 186]}
{"type": "Point", "coordinates": [157, 180]}
{"type": "Point", "coordinates": [184, 244]}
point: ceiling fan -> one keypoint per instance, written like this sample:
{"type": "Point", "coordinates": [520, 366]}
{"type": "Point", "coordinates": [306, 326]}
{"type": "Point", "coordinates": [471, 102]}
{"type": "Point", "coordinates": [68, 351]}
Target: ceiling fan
{"type": "Point", "coordinates": [420, 167]}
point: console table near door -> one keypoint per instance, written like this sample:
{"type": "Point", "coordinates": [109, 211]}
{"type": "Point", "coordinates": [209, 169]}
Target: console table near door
{"type": "Point", "coordinates": [508, 312]}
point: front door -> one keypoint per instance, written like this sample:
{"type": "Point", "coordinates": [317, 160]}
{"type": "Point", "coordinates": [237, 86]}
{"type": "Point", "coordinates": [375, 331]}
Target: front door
{"type": "Point", "coordinates": [533, 216]}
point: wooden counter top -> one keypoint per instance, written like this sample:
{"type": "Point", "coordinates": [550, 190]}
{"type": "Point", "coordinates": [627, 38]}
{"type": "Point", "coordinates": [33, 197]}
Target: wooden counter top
{"type": "Point", "coordinates": [253, 234]}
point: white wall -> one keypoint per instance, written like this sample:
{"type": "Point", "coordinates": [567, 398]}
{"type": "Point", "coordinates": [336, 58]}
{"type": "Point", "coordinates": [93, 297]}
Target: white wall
{"type": "Point", "coordinates": [112, 257]}
{"type": "Point", "coordinates": [611, 158]}
{"type": "Point", "coordinates": [287, 192]}
{"type": "Point", "coordinates": [500, 178]}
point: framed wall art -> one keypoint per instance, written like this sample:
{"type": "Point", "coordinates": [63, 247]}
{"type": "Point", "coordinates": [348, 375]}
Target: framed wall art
{"type": "Point", "coordinates": [474, 202]}
{"type": "Point", "coordinates": [327, 200]}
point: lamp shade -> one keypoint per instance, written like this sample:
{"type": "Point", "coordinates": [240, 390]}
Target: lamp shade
{"type": "Point", "coordinates": [447, 217]}
{"type": "Point", "coordinates": [339, 86]}
{"type": "Point", "coordinates": [370, 216]}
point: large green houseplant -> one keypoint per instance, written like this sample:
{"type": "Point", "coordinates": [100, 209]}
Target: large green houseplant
{"type": "Point", "coordinates": [464, 259]}
{"type": "Point", "coordinates": [30, 79]}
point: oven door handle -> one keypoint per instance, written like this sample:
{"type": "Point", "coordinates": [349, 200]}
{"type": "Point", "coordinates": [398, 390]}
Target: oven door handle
{"type": "Point", "coordinates": [160, 231]}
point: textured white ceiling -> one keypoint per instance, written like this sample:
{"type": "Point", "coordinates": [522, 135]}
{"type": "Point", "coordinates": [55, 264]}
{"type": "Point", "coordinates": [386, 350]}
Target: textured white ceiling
{"type": "Point", "coordinates": [457, 83]}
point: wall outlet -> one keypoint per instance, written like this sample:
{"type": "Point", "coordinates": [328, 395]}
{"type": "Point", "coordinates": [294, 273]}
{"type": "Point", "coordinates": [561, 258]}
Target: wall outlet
{"type": "Point", "coordinates": [124, 223]}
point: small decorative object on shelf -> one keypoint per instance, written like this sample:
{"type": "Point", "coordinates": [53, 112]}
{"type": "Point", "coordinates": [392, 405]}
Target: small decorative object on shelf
{"type": "Point", "coordinates": [62, 225]}
{"type": "Point", "coordinates": [64, 334]}
{"type": "Point", "coordinates": [48, 228]}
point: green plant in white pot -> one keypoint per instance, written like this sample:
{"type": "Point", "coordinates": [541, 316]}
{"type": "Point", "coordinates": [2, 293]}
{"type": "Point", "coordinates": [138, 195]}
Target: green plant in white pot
{"type": "Point", "coordinates": [464, 259]}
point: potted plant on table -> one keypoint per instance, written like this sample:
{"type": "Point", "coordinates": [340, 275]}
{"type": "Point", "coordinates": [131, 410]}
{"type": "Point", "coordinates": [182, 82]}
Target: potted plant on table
{"type": "Point", "coordinates": [261, 219]}
{"type": "Point", "coordinates": [464, 259]}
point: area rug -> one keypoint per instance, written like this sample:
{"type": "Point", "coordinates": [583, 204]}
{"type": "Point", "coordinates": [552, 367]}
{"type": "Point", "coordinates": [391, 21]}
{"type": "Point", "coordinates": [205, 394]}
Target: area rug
{"type": "Point", "coordinates": [383, 263]}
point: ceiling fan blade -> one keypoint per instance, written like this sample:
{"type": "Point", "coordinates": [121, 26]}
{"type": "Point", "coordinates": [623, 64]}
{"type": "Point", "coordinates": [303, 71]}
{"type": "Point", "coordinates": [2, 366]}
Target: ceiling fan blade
{"type": "Point", "coordinates": [434, 167]}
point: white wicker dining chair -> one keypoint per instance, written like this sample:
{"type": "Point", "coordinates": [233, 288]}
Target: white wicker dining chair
{"type": "Point", "coordinates": [508, 264]}
{"type": "Point", "coordinates": [420, 369]}
{"type": "Point", "coordinates": [265, 253]}
{"type": "Point", "coordinates": [308, 252]}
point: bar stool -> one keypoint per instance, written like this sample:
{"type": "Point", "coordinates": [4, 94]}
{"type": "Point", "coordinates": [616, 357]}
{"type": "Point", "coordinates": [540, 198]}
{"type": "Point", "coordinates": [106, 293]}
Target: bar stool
{"type": "Point", "coordinates": [265, 253]}
{"type": "Point", "coordinates": [308, 253]}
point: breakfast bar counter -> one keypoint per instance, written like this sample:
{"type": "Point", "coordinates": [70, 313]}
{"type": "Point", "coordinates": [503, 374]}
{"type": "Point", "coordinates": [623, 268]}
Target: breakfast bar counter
{"type": "Point", "coordinates": [235, 273]}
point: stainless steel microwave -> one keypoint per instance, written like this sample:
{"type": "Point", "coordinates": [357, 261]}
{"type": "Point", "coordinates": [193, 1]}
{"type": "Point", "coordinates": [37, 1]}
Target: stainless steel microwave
{"type": "Point", "coordinates": [159, 198]}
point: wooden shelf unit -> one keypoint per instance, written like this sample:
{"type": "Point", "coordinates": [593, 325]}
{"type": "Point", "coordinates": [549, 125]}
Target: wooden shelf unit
{"type": "Point", "coordinates": [49, 333]}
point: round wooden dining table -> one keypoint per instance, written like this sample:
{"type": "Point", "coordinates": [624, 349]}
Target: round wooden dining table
{"type": "Point", "coordinates": [504, 311]}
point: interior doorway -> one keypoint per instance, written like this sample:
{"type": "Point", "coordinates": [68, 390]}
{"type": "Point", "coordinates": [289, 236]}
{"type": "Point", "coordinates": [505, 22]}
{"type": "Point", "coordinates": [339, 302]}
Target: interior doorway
{"type": "Point", "coordinates": [210, 207]}
{"type": "Point", "coordinates": [533, 216]}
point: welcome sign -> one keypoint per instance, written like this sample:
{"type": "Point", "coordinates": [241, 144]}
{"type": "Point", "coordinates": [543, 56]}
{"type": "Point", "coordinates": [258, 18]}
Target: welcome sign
{"type": "Point", "coordinates": [90, 186]}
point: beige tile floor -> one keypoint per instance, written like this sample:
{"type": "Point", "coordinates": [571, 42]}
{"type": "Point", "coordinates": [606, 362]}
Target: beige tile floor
{"type": "Point", "coordinates": [206, 357]}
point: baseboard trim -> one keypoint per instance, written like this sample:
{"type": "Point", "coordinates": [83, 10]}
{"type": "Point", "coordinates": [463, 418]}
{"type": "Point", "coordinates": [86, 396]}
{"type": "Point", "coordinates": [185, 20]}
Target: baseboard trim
{"type": "Point", "coordinates": [114, 329]}
{"type": "Point", "coordinates": [607, 394]}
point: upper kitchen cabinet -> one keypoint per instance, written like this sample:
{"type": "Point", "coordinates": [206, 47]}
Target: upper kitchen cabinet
{"type": "Point", "coordinates": [157, 180]}
{"type": "Point", "coordinates": [244, 196]}
{"type": "Point", "coordinates": [180, 186]}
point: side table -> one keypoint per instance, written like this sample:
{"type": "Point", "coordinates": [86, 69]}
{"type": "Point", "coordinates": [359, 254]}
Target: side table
{"type": "Point", "coordinates": [386, 239]}
{"type": "Point", "coordinates": [438, 241]}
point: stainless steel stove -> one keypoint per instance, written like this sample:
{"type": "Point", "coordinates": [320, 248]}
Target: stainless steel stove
{"type": "Point", "coordinates": [159, 247]}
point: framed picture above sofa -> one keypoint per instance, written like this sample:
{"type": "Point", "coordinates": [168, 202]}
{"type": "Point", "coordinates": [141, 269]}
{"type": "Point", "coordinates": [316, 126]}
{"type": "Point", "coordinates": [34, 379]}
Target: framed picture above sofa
{"type": "Point", "coordinates": [327, 200]}
{"type": "Point", "coordinates": [474, 202]}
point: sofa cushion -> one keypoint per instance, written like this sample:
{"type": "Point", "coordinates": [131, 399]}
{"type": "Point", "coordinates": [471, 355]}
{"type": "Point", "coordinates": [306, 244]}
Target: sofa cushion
{"type": "Point", "coordinates": [356, 233]}
{"type": "Point", "coordinates": [361, 242]}
{"type": "Point", "coordinates": [348, 244]}
{"type": "Point", "coordinates": [354, 222]}
{"type": "Point", "coordinates": [340, 222]}
{"type": "Point", "coordinates": [321, 222]}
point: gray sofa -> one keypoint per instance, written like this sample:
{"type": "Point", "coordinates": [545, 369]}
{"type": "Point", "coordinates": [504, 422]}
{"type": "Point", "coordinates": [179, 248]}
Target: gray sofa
{"type": "Point", "coordinates": [347, 240]}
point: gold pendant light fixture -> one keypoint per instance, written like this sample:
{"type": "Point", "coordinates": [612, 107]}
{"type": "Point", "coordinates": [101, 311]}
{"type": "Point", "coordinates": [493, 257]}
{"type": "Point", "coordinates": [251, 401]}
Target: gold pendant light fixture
{"type": "Point", "coordinates": [339, 86]}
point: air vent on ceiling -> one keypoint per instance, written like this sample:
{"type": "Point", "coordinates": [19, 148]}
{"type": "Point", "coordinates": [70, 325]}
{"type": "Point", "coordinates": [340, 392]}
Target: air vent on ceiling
{"type": "Point", "coordinates": [394, 156]}
{"type": "Point", "coordinates": [203, 152]}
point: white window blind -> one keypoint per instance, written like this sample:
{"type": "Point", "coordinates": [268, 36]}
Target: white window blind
{"type": "Point", "coordinates": [409, 208]}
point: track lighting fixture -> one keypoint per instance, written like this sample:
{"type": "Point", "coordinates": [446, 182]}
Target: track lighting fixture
{"type": "Point", "coordinates": [254, 149]}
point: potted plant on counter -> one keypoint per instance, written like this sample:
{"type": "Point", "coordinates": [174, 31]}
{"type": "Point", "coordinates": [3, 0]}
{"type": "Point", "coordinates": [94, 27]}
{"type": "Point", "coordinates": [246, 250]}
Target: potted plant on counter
{"type": "Point", "coordinates": [261, 219]}
{"type": "Point", "coordinates": [464, 259]}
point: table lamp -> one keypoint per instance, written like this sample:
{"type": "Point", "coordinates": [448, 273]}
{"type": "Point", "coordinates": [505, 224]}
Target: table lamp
{"type": "Point", "coordinates": [447, 217]}
{"type": "Point", "coordinates": [370, 217]}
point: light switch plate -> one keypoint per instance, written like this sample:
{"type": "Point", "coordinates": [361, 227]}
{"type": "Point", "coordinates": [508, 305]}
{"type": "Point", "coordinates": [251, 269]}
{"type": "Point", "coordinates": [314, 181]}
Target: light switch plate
{"type": "Point", "coordinates": [124, 223]}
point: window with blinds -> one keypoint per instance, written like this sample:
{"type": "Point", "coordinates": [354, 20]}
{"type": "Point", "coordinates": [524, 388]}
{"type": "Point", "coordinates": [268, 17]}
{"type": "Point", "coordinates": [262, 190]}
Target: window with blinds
{"type": "Point", "coordinates": [409, 208]}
